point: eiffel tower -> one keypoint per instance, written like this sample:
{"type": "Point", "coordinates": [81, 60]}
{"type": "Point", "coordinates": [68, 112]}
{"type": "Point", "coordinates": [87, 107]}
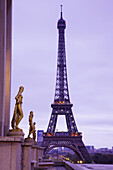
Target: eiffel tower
{"type": "Point", "coordinates": [62, 106]}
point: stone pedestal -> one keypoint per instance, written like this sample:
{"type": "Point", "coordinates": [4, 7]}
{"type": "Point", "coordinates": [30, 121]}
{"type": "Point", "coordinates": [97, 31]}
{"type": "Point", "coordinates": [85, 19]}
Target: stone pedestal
{"type": "Point", "coordinates": [11, 151]}
{"type": "Point", "coordinates": [16, 133]}
{"type": "Point", "coordinates": [34, 154]}
{"type": "Point", "coordinates": [17, 153]}
{"type": "Point", "coordinates": [39, 155]}
{"type": "Point", "coordinates": [40, 151]}
{"type": "Point", "coordinates": [28, 143]}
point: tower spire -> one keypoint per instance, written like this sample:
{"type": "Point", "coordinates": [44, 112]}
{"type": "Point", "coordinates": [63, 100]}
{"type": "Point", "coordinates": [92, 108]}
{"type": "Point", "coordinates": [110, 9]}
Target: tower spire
{"type": "Point", "coordinates": [61, 11]}
{"type": "Point", "coordinates": [61, 91]}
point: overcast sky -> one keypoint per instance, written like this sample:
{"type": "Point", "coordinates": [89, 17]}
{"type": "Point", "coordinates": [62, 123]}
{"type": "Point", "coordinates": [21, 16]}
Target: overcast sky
{"type": "Point", "coordinates": [89, 54]}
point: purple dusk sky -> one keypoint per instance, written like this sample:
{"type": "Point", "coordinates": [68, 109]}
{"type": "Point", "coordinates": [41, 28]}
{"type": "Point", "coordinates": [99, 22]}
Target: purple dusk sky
{"type": "Point", "coordinates": [89, 54]}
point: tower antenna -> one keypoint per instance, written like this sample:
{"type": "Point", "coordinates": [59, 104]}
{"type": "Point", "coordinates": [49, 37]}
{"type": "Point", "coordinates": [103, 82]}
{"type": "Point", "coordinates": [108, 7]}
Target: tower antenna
{"type": "Point", "coordinates": [61, 11]}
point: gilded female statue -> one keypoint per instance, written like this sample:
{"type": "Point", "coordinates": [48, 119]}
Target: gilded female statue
{"type": "Point", "coordinates": [34, 131]}
{"type": "Point", "coordinates": [32, 126]}
{"type": "Point", "coordinates": [30, 123]}
{"type": "Point", "coordinates": [18, 113]}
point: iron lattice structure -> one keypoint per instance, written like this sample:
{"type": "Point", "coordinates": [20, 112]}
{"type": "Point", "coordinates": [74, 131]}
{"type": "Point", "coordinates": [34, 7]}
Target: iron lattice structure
{"type": "Point", "coordinates": [62, 106]}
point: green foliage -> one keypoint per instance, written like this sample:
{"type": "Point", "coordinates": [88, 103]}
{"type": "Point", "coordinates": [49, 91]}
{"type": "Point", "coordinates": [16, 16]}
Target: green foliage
{"type": "Point", "coordinates": [102, 158]}
{"type": "Point", "coordinates": [72, 157]}
{"type": "Point", "coordinates": [88, 161]}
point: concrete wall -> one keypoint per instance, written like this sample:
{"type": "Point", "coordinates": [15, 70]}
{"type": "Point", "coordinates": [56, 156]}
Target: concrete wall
{"type": "Point", "coordinates": [10, 153]}
{"type": "Point", "coordinates": [17, 154]}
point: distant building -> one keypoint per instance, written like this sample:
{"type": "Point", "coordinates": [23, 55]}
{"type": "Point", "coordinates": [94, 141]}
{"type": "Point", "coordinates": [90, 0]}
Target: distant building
{"type": "Point", "coordinates": [67, 150]}
{"type": "Point", "coordinates": [40, 137]}
{"type": "Point", "coordinates": [102, 150]}
{"type": "Point", "coordinates": [105, 150]}
{"type": "Point", "coordinates": [91, 149]}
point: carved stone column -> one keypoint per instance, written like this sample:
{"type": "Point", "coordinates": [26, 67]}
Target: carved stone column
{"type": "Point", "coordinates": [5, 64]}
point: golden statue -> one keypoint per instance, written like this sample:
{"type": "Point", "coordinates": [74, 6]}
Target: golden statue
{"type": "Point", "coordinates": [30, 123]}
{"type": "Point", "coordinates": [18, 113]}
{"type": "Point", "coordinates": [32, 126]}
{"type": "Point", "coordinates": [34, 131]}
